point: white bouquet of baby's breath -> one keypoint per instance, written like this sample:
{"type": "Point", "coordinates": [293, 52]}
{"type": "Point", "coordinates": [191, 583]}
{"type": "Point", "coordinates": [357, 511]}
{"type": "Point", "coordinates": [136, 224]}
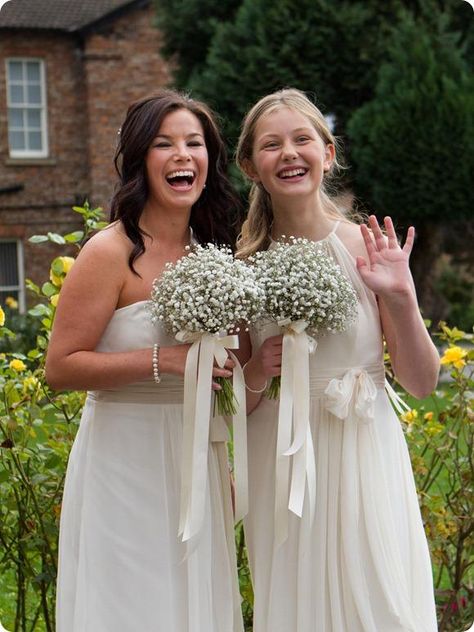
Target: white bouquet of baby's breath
{"type": "Point", "coordinates": [207, 291]}
{"type": "Point", "coordinates": [302, 282]}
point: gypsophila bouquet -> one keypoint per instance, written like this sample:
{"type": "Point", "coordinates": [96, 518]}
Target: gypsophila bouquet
{"type": "Point", "coordinates": [207, 291]}
{"type": "Point", "coordinates": [302, 282]}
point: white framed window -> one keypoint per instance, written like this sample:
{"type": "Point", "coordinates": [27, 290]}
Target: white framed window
{"type": "Point", "coordinates": [26, 102]}
{"type": "Point", "coordinates": [12, 273]}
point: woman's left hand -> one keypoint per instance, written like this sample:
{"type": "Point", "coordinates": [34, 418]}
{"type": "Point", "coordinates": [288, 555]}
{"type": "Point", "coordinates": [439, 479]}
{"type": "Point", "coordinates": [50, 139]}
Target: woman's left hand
{"type": "Point", "coordinates": [387, 272]}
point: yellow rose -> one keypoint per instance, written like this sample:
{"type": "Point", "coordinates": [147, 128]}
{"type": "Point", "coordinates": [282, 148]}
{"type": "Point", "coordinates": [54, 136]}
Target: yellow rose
{"type": "Point", "coordinates": [54, 300]}
{"type": "Point", "coordinates": [66, 264]}
{"type": "Point", "coordinates": [30, 383]}
{"type": "Point", "coordinates": [2, 317]}
{"type": "Point", "coordinates": [11, 302]}
{"type": "Point", "coordinates": [454, 355]}
{"type": "Point", "coordinates": [17, 365]}
{"type": "Point", "coordinates": [410, 416]}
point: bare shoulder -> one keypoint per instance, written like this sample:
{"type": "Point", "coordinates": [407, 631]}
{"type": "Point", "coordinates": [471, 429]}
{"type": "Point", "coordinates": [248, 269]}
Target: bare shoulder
{"type": "Point", "coordinates": [350, 235]}
{"type": "Point", "coordinates": [111, 243]}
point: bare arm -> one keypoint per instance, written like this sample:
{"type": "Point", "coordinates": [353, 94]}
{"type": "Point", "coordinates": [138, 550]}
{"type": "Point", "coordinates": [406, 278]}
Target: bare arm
{"type": "Point", "coordinates": [414, 357]}
{"type": "Point", "coordinates": [88, 300]}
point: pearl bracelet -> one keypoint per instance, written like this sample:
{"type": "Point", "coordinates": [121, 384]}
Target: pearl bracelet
{"type": "Point", "coordinates": [156, 368]}
{"type": "Point", "coordinates": [251, 389]}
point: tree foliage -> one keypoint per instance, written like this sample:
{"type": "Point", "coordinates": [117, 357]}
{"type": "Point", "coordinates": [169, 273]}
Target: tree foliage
{"type": "Point", "coordinates": [413, 142]}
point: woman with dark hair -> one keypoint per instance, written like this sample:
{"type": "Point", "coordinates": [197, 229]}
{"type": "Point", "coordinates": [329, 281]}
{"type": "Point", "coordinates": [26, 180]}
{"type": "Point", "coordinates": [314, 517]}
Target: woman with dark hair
{"type": "Point", "coordinates": [122, 566]}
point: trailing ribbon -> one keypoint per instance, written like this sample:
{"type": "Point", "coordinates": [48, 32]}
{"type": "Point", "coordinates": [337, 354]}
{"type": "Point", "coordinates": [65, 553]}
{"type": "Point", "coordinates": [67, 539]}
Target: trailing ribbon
{"type": "Point", "coordinates": [294, 432]}
{"type": "Point", "coordinates": [356, 390]}
{"type": "Point", "coordinates": [196, 424]}
{"type": "Point", "coordinates": [397, 402]}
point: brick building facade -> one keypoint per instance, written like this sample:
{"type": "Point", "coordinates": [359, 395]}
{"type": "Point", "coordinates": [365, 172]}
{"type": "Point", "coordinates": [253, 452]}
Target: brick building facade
{"type": "Point", "coordinates": [68, 71]}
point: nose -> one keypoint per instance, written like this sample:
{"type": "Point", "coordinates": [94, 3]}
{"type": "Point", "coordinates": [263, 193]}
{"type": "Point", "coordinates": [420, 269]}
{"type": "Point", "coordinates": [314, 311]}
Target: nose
{"type": "Point", "coordinates": [289, 152]}
{"type": "Point", "coordinates": [182, 152]}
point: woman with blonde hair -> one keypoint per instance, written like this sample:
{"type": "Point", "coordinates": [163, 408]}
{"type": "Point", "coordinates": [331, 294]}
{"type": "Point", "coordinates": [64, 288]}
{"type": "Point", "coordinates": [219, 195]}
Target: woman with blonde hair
{"type": "Point", "coordinates": [362, 564]}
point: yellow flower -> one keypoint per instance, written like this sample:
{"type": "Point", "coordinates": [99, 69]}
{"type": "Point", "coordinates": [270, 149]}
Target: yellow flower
{"type": "Point", "coordinates": [54, 300]}
{"type": "Point", "coordinates": [17, 365]}
{"type": "Point", "coordinates": [2, 357]}
{"type": "Point", "coordinates": [410, 416]}
{"type": "Point", "coordinates": [2, 317]}
{"type": "Point", "coordinates": [428, 416]}
{"type": "Point", "coordinates": [454, 355]}
{"type": "Point", "coordinates": [30, 383]}
{"type": "Point", "coordinates": [66, 265]}
{"type": "Point", "coordinates": [434, 428]}
{"type": "Point", "coordinates": [11, 302]}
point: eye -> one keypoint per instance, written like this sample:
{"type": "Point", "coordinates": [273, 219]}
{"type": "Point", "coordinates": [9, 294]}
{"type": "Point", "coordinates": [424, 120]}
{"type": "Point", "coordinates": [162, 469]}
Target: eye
{"type": "Point", "coordinates": [161, 144]}
{"type": "Point", "coordinates": [271, 144]}
{"type": "Point", "coordinates": [195, 143]}
{"type": "Point", "coordinates": [303, 139]}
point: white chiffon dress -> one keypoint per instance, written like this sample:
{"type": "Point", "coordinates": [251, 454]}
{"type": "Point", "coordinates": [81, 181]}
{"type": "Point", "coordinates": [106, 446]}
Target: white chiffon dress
{"type": "Point", "coordinates": [363, 565]}
{"type": "Point", "coordinates": [122, 566]}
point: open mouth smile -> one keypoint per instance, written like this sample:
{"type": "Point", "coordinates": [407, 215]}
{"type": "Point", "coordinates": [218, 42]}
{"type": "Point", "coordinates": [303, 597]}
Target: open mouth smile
{"type": "Point", "coordinates": [293, 174]}
{"type": "Point", "coordinates": [181, 180]}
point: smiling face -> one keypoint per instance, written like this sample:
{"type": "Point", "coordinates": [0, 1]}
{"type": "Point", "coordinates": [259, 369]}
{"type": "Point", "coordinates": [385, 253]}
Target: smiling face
{"type": "Point", "coordinates": [177, 161]}
{"type": "Point", "coordinates": [289, 157]}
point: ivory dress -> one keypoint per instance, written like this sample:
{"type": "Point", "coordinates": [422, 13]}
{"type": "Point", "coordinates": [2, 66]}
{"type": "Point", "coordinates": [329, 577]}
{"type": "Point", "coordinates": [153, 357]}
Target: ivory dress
{"type": "Point", "coordinates": [122, 566]}
{"type": "Point", "coordinates": [364, 565]}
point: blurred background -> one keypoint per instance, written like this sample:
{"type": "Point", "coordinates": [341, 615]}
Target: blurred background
{"type": "Point", "coordinates": [394, 78]}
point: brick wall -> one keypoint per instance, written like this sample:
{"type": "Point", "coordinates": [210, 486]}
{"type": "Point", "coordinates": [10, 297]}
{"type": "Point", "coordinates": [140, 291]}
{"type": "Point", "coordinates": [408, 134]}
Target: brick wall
{"type": "Point", "coordinates": [90, 82]}
{"type": "Point", "coordinates": [123, 63]}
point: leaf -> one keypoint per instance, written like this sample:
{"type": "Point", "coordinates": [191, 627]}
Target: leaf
{"type": "Point", "coordinates": [49, 289]}
{"type": "Point", "coordinates": [38, 239]}
{"type": "Point", "coordinates": [73, 238]}
{"type": "Point", "coordinates": [39, 310]}
{"type": "Point", "coordinates": [55, 238]}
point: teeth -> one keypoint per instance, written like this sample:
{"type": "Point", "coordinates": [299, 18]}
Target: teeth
{"type": "Point", "coordinates": [291, 173]}
{"type": "Point", "coordinates": [181, 174]}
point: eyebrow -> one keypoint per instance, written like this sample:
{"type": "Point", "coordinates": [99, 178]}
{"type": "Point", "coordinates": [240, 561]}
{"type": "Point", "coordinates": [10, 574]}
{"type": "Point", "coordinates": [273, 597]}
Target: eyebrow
{"type": "Point", "coordinates": [294, 131]}
{"type": "Point", "coordinates": [188, 135]}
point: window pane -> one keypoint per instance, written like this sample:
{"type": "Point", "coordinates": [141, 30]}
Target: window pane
{"type": "Point", "coordinates": [32, 71]}
{"type": "Point", "coordinates": [15, 118]}
{"type": "Point", "coordinates": [34, 140]}
{"type": "Point", "coordinates": [16, 94]}
{"type": "Point", "coordinates": [34, 94]}
{"type": "Point", "coordinates": [15, 71]}
{"type": "Point", "coordinates": [33, 118]}
{"type": "Point", "coordinates": [8, 263]}
{"type": "Point", "coordinates": [16, 140]}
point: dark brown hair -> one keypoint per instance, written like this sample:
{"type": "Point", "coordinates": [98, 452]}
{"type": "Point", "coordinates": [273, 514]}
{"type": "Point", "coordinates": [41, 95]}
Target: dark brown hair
{"type": "Point", "coordinates": [214, 215]}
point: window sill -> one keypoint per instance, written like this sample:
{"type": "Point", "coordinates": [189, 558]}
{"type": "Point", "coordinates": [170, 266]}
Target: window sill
{"type": "Point", "coordinates": [31, 162]}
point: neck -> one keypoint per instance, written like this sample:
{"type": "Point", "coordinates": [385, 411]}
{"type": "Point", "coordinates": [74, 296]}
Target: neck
{"type": "Point", "coordinates": [302, 217]}
{"type": "Point", "coordinates": [168, 227]}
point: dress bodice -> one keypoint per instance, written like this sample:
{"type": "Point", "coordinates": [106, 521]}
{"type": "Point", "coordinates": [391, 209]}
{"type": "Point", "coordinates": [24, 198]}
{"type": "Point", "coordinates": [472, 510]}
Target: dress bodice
{"type": "Point", "coordinates": [130, 328]}
{"type": "Point", "coordinates": [359, 346]}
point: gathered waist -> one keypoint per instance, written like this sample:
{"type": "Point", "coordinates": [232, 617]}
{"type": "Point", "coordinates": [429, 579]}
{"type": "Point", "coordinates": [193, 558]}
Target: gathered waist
{"type": "Point", "coordinates": [169, 391]}
{"type": "Point", "coordinates": [319, 381]}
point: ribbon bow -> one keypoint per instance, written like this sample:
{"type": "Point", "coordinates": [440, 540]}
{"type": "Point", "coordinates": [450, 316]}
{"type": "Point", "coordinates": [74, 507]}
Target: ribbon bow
{"type": "Point", "coordinates": [196, 421]}
{"type": "Point", "coordinates": [354, 391]}
{"type": "Point", "coordinates": [293, 420]}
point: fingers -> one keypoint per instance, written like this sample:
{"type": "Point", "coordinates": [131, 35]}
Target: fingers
{"type": "Point", "coordinates": [369, 242]}
{"type": "Point", "coordinates": [390, 230]}
{"type": "Point", "coordinates": [408, 246]}
{"type": "Point", "coordinates": [377, 231]}
{"type": "Point", "coordinates": [218, 372]}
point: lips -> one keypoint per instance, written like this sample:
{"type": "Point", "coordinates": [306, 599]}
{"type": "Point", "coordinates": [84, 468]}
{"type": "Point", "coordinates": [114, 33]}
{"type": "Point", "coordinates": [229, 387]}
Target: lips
{"type": "Point", "coordinates": [181, 179]}
{"type": "Point", "coordinates": [292, 173]}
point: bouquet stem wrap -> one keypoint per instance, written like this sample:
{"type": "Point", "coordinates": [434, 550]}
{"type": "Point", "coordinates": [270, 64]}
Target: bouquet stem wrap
{"type": "Point", "coordinates": [294, 432]}
{"type": "Point", "coordinates": [196, 423]}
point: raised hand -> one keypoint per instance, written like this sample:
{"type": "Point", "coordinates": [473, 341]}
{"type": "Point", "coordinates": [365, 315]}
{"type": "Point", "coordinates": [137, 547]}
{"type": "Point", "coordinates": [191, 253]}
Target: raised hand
{"type": "Point", "coordinates": [387, 272]}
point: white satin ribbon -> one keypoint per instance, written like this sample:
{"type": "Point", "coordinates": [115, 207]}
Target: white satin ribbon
{"type": "Point", "coordinates": [196, 428]}
{"type": "Point", "coordinates": [294, 432]}
{"type": "Point", "coordinates": [397, 402]}
{"type": "Point", "coordinates": [354, 392]}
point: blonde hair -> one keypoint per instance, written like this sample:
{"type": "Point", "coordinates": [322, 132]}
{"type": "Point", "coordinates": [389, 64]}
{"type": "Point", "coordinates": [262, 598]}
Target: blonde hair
{"type": "Point", "coordinates": [255, 233]}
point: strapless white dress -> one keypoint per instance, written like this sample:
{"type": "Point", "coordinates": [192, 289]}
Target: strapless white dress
{"type": "Point", "coordinates": [122, 566]}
